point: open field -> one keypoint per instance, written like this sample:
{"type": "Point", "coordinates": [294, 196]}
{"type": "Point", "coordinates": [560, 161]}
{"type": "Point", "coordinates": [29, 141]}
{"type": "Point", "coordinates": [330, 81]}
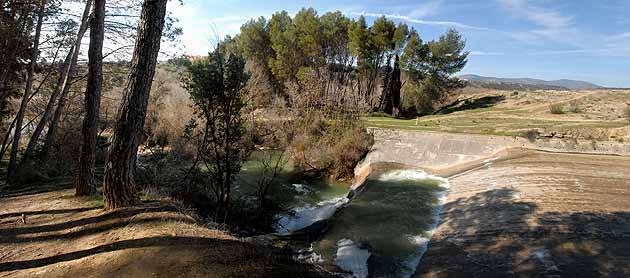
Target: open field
{"type": "Point", "coordinates": [597, 114]}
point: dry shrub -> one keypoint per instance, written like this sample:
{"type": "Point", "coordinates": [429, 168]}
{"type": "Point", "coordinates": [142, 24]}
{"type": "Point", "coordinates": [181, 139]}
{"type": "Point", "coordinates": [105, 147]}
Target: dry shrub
{"type": "Point", "coordinates": [330, 147]}
{"type": "Point", "coordinates": [574, 107]}
{"type": "Point", "coordinates": [556, 108]}
{"type": "Point", "coordinates": [168, 112]}
{"type": "Point", "coordinates": [626, 112]}
{"type": "Point", "coordinates": [532, 135]}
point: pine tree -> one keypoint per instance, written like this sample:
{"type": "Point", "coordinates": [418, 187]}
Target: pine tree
{"type": "Point", "coordinates": [119, 186]}
{"type": "Point", "coordinates": [84, 182]}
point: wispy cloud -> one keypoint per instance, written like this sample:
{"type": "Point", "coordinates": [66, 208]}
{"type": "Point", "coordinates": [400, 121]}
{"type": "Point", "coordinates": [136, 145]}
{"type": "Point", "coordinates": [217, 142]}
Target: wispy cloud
{"type": "Point", "coordinates": [484, 53]}
{"type": "Point", "coordinates": [424, 22]}
{"type": "Point", "coordinates": [550, 24]}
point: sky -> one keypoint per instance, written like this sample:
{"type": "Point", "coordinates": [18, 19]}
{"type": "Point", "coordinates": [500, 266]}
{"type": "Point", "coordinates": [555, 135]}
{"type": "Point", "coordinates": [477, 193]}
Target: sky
{"type": "Point", "coordinates": [548, 39]}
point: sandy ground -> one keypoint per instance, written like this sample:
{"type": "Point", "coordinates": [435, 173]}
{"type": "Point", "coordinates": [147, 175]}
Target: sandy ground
{"type": "Point", "coordinates": [46, 232]}
{"type": "Point", "coordinates": [537, 215]}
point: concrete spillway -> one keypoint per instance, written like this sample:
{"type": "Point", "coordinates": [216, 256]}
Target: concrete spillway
{"type": "Point", "coordinates": [519, 207]}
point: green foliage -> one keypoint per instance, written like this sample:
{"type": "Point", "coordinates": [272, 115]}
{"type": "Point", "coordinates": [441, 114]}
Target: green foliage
{"type": "Point", "coordinates": [447, 55]}
{"type": "Point", "coordinates": [216, 87]}
{"type": "Point", "coordinates": [308, 35]}
{"type": "Point", "coordinates": [356, 56]}
{"type": "Point", "coordinates": [556, 108]}
{"type": "Point", "coordinates": [283, 37]}
{"type": "Point", "coordinates": [335, 36]}
{"type": "Point", "coordinates": [360, 41]}
{"type": "Point", "coordinates": [431, 67]}
{"type": "Point", "coordinates": [331, 148]}
{"type": "Point", "coordinates": [382, 34]}
{"type": "Point", "coordinates": [254, 40]}
{"type": "Point", "coordinates": [415, 56]}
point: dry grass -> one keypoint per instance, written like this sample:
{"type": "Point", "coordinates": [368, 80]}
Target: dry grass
{"type": "Point", "coordinates": [74, 236]}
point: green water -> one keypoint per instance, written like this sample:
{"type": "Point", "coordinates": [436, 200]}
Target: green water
{"type": "Point", "coordinates": [391, 219]}
{"type": "Point", "coordinates": [388, 222]}
{"type": "Point", "coordinates": [290, 188]}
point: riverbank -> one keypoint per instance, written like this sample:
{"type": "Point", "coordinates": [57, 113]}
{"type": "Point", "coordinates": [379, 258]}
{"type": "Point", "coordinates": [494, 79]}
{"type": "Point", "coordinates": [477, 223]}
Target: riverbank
{"type": "Point", "coordinates": [517, 207]}
{"type": "Point", "coordinates": [47, 232]}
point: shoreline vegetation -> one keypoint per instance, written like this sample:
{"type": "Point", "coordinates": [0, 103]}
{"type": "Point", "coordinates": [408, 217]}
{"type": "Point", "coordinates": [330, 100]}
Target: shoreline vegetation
{"type": "Point", "coordinates": [329, 124]}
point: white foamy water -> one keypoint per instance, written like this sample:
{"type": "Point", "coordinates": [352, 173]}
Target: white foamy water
{"type": "Point", "coordinates": [303, 217]}
{"type": "Point", "coordinates": [421, 241]}
{"type": "Point", "coordinates": [352, 258]}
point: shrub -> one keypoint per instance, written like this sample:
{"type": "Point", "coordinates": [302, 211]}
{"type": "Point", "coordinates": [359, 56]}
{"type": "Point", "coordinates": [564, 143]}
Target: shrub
{"type": "Point", "coordinates": [574, 107]}
{"type": "Point", "coordinates": [329, 147]}
{"type": "Point", "coordinates": [627, 112]}
{"type": "Point", "coordinates": [532, 135]}
{"type": "Point", "coordinates": [556, 108]}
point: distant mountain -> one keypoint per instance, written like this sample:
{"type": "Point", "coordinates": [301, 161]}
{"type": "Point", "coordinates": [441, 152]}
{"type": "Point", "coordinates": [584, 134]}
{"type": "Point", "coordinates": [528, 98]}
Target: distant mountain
{"type": "Point", "coordinates": [484, 81]}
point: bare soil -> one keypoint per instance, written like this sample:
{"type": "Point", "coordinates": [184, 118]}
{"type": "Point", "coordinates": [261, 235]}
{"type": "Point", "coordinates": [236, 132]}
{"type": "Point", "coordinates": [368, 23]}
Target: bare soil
{"type": "Point", "coordinates": [536, 215]}
{"type": "Point", "coordinates": [47, 232]}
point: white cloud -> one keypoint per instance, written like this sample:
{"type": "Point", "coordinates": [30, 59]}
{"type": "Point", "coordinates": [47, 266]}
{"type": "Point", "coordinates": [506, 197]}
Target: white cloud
{"type": "Point", "coordinates": [425, 22]}
{"type": "Point", "coordinates": [484, 53]}
{"type": "Point", "coordinates": [550, 24]}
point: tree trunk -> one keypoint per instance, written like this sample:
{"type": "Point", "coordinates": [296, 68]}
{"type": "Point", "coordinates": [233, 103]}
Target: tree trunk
{"type": "Point", "coordinates": [119, 186]}
{"type": "Point", "coordinates": [396, 86]}
{"type": "Point", "coordinates": [84, 181]}
{"type": "Point", "coordinates": [71, 72]}
{"type": "Point", "coordinates": [27, 91]}
{"type": "Point", "coordinates": [61, 88]}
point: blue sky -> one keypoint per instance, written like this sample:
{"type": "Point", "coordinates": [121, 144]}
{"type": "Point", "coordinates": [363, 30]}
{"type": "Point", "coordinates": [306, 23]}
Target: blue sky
{"type": "Point", "coordinates": [548, 39]}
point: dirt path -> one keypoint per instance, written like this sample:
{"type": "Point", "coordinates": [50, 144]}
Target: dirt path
{"type": "Point", "coordinates": [46, 232]}
{"type": "Point", "coordinates": [538, 215]}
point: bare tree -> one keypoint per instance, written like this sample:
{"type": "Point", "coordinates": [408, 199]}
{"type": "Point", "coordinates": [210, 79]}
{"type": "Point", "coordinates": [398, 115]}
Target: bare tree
{"type": "Point", "coordinates": [84, 182]}
{"type": "Point", "coordinates": [61, 89]}
{"type": "Point", "coordinates": [119, 186]}
{"type": "Point", "coordinates": [27, 91]}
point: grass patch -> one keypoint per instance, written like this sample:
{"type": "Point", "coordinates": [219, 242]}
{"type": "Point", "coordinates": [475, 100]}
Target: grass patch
{"type": "Point", "coordinates": [95, 200]}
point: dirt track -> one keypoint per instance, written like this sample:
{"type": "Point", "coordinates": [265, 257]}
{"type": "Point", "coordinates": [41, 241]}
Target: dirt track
{"type": "Point", "coordinates": [538, 215]}
{"type": "Point", "coordinates": [46, 232]}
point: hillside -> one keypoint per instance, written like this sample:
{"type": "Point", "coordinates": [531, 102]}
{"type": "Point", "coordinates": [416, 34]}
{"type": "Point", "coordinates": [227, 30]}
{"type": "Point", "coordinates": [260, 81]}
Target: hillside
{"type": "Point", "coordinates": [484, 81]}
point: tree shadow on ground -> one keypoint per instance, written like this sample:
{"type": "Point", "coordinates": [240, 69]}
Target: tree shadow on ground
{"type": "Point", "coordinates": [248, 252]}
{"type": "Point", "coordinates": [48, 212]}
{"type": "Point", "coordinates": [96, 223]}
{"type": "Point", "coordinates": [492, 234]}
{"type": "Point", "coordinates": [32, 189]}
{"type": "Point", "coordinates": [470, 103]}
{"type": "Point", "coordinates": [208, 253]}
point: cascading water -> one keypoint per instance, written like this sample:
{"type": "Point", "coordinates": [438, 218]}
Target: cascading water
{"type": "Point", "coordinates": [383, 231]}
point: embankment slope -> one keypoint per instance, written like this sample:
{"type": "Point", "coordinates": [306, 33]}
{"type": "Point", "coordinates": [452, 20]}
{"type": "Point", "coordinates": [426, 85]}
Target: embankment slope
{"type": "Point", "coordinates": [515, 207]}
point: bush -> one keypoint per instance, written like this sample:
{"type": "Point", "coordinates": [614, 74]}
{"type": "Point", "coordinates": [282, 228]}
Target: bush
{"type": "Point", "coordinates": [331, 148]}
{"type": "Point", "coordinates": [532, 135]}
{"type": "Point", "coordinates": [574, 107]}
{"type": "Point", "coordinates": [556, 108]}
{"type": "Point", "coordinates": [627, 112]}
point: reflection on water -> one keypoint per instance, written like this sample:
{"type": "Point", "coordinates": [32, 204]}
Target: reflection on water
{"type": "Point", "coordinates": [306, 199]}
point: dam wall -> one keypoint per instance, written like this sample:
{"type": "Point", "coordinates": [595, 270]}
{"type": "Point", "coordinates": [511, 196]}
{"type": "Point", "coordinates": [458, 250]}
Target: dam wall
{"type": "Point", "coordinates": [447, 154]}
